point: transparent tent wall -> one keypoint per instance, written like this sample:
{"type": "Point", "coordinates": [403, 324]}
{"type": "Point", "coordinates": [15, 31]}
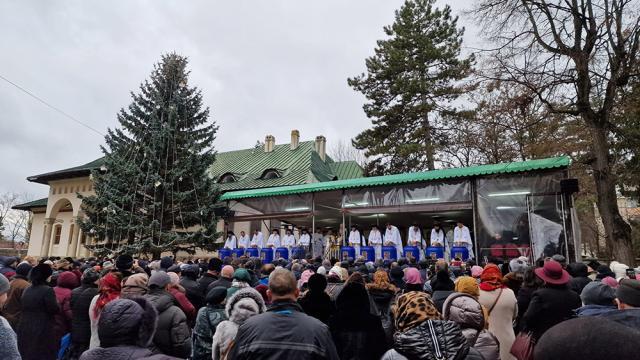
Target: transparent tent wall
{"type": "Point", "coordinates": [522, 215]}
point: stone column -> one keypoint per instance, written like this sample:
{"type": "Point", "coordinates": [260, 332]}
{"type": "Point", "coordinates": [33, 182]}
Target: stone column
{"type": "Point", "coordinates": [79, 245]}
{"type": "Point", "coordinates": [46, 237]}
{"type": "Point", "coordinates": [72, 249]}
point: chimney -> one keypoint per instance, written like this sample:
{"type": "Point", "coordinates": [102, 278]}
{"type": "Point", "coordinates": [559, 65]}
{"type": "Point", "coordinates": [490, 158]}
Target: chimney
{"type": "Point", "coordinates": [269, 143]}
{"type": "Point", "coordinates": [295, 139]}
{"type": "Point", "coordinates": [321, 147]}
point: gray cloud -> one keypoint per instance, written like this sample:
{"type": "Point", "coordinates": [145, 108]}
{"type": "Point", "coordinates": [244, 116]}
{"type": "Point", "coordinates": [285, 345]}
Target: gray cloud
{"type": "Point", "coordinates": [265, 67]}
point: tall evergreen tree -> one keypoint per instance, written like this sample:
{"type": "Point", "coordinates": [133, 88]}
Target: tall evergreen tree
{"type": "Point", "coordinates": [153, 193]}
{"type": "Point", "coordinates": [410, 84]}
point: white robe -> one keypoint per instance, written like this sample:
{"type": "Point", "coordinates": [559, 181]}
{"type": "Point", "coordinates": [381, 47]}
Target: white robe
{"type": "Point", "coordinates": [375, 240]}
{"type": "Point", "coordinates": [305, 240]}
{"type": "Point", "coordinates": [355, 240]}
{"type": "Point", "coordinates": [273, 241]}
{"type": "Point", "coordinates": [462, 235]}
{"type": "Point", "coordinates": [318, 245]}
{"type": "Point", "coordinates": [243, 241]}
{"type": "Point", "coordinates": [437, 238]}
{"type": "Point", "coordinates": [289, 241]}
{"type": "Point", "coordinates": [231, 242]}
{"type": "Point", "coordinates": [414, 238]}
{"type": "Point", "coordinates": [393, 236]}
{"type": "Point", "coordinates": [257, 240]}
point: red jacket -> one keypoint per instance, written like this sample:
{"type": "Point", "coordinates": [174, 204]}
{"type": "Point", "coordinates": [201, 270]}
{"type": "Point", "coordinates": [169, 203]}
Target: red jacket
{"type": "Point", "coordinates": [67, 281]}
{"type": "Point", "coordinates": [184, 304]}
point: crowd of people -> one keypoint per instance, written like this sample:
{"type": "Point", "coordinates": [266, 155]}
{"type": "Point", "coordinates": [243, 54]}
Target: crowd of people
{"type": "Point", "coordinates": [240, 308]}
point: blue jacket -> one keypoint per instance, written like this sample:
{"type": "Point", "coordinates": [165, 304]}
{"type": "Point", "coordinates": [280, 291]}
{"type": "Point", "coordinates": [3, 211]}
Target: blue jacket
{"type": "Point", "coordinates": [594, 310]}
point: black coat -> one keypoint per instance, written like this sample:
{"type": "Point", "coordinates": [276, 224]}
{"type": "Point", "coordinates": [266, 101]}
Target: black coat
{"type": "Point", "coordinates": [193, 292]}
{"type": "Point", "coordinates": [222, 282]}
{"type": "Point", "coordinates": [382, 299]}
{"type": "Point", "coordinates": [358, 334]}
{"type": "Point", "coordinates": [173, 336]}
{"type": "Point", "coordinates": [439, 297]}
{"type": "Point", "coordinates": [549, 306]}
{"type": "Point", "coordinates": [318, 305]}
{"type": "Point", "coordinates": [204, 282]}
{"type": "Point", "coordinates": [420, 342]}
{"type": "Point", "coordinates": [35, 337]}
{"type": "Point", "coordinates": [80, 323]}
{"type": "Point", "coordinates": [578, 283]}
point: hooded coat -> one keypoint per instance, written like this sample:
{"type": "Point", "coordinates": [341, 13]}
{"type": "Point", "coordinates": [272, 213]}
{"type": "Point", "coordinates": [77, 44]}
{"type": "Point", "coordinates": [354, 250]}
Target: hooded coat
{"type": "Point", "coordinates": [126, 329]}
{"type": "Point", "coordinates": [467, 312]}
{"type": "Point", "coordinates": [67, 281]}
{"type": "Point", "coordinates": [39, 307]}
{"type": "Point", "coordinates": [316, 302]}
{"type": "Point", "coordinates": [242, 305]}
{"type": "Point", "coordinates": [173, 336]}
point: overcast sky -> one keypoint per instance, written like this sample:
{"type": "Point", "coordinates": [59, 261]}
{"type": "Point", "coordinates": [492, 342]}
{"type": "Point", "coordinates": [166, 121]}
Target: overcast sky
{"type": "Point", "coordinates": [265, 67]}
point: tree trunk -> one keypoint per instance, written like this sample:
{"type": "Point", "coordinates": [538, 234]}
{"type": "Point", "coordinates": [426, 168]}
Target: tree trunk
{"type": "Point", "coordinates": [617, 230]}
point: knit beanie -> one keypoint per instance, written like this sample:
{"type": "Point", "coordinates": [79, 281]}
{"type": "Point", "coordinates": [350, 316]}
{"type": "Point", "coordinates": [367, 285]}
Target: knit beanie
{"type": "Point", "coordinates": [216, 295]}
{"type": "Point", "coordinates": [597, 293]}
{"type": "Point", "coordinates": [166, 262]}
{"type": "Point", "coordinates": [159, 279]}
{"type": "Point", "coordinates": [628, 292]}
{"type": "Point", "coordinates": [588, 338]}
{"type": "Point", "coordinates": [23, 269]}
{"type": "Point", "coordinates": [90, 276]}
{"type": "Point", "coordinates": [124, 262]}
{"type": "Point", "coordinates": [242, 275]}
{"type": "Point", "coordinates": [4, 284]}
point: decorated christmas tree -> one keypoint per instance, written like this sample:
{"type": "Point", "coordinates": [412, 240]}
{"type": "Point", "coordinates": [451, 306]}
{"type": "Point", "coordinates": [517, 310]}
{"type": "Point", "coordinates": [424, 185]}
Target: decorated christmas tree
{"type": "Point", "coordinates": [153, 193]}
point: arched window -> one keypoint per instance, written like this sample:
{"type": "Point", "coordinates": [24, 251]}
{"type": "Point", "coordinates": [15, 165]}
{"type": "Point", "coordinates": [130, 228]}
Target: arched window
{"type": "Point", "coordinates": [270, 174]}
{"type": "Point", "coordinates": [227, 178]}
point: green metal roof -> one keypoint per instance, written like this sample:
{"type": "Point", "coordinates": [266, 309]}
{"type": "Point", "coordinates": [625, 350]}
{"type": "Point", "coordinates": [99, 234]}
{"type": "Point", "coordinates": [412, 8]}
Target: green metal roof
{"type": "Point", "coordinates": [347, 169]}
{"type": "Point", "coordinates": [77, 171]}
{"type": "Point", "coordinates": [453, 173]}
{"type": "Point", "coordinates": [300, 166]}
{"type": "Point", "coordinates": [32, 204]}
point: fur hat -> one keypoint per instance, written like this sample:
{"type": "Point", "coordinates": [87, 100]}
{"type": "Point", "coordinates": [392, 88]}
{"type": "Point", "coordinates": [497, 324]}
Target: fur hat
{"type": "Point", "coordinates": [127, 322]}
{"type": "Point", "coordinates": [588, 338]}
{"type": "Point", "coordinates": [243, 304]}
{"type": "Point", "coordinates": [124, 262]}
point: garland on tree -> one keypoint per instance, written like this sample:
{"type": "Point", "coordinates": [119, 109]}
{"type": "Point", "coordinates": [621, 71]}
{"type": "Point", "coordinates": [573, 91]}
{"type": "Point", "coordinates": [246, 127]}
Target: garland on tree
{"type": "Point", "coordinates": [153, 193]}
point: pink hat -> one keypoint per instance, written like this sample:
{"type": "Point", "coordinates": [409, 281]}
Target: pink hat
{"type": "Point", "coordinates": [553, 273]}
{"type": "Point", "coordinates": [412, 276]}
{"type": "Point", "coordinates": [476, 271]}
{"type": "Point", "coordinates": [610, 281]}
{"type": "Point", "coordinates": [304, 278]}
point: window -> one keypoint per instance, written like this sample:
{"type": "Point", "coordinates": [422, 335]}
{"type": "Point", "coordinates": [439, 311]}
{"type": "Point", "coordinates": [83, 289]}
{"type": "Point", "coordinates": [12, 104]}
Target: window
{"type": "Point", "coordinates": [83, 238]}
{"type": "Point", "coordinates": [270, 174]}
{"type": "Point", "coordinates": [227, 178]}
{"type": "Point", "coordinates": [56, 234]}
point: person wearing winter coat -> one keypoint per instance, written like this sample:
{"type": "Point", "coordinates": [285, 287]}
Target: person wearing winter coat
{"type": "Point", "coordinates": [213, 271]}
{"type": "Point", "coordinates": [206, 323]}
{"type": "Point", "coordinates": [316, 302]}
{"type": "Point", "coordinates": [126, 329]}
{"type": "Point", "coordinates": [466, 311]}
{"type": "Point", "coordinates": [356, 333]}
{"type": "Point", "coordinates": [108, 290]}
{"type": "Point", "coordinates": [284, 331]}
{"type": "Point", "coordinates": [179, 293]}
{"type": "Point", "coordinates": [189, 281]}
{"type": "Point", "coordinates": [81, 298]}
{"type": "Point", "coordinates": [173, 336]}
{"type": "Point", "coordinates": [421, 333]}
{"type": "Point", "coordinates": [242, 305]}
{"type": "Point", "coordinates": [553, 303]}
{"type": "Point", "coordinates": [135, 286]}
{"type": "Point", "coordinates": [628, 303]}
{"type": "Point", "coordinates": [67, 281]}
{"type": "Point", "coordinates": [8, 340]}
{"type": "Point", "coordinates": [442, 287]}
{"type": "Point", "coordinates": [597, 298]}
{"type": "Point", "coordinates": [8, 266]}
{"type": "Point", "coordinates": [39, 306]}
{"type": "Point", "coordinates": [226, 278]}
{"type": "Point", "coordinates": [579, 277]}
{"type": "Point", "coordinates": [502, 308]}
{"type": "Point", "coordinates": [382, 292]}
{"type": "Point", "coordinates": [13, 307]}
{"type": "Point", "coordinates": [241, 279]}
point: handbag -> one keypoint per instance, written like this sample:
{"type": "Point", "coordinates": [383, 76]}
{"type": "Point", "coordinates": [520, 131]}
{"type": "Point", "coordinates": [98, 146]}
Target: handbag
{"type": "Point", "coordinates": [523, 346]}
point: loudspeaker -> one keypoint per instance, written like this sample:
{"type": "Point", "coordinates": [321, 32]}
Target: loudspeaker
{"type": "Point", "coordinates": [569, 186]}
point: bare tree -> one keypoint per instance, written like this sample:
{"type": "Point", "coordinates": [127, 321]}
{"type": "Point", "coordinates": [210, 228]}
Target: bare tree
{"type": "Point", "coordinates": [344, 151]}
{"type": "Point", "coordinates": [577, 57]}
{"type": "Point", "coordinates": [14, 224]}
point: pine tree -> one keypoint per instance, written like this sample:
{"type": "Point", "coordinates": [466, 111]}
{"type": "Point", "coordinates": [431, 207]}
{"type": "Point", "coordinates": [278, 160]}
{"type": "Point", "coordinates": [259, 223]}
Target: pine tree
{"type": "Point", "coordinates": [410, 84]}
{"type": "Point", "coordinates": [153, 193]}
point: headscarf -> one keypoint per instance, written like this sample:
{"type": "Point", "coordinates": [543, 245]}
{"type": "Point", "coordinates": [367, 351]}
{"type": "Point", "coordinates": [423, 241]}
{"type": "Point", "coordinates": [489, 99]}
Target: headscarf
{"type": "Point", "coordinates": [414, 308]}
{"type": "Point", "coordinates": [412, 276]}
{"type": "Point", "coordinates": [355, 278]}
{"type": "Point", "coordinates": [304, 278]}
{"type": "Point", "coordinates": [336, 271]}
{"type": "Point", "coordinates": [381, 282]}
{"type": "Point", "coordinates": [491, 278]}
{"type": "Point", "coordinates": [468, 285]}
{"type": "Point", "coordinates": [109, 290]}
